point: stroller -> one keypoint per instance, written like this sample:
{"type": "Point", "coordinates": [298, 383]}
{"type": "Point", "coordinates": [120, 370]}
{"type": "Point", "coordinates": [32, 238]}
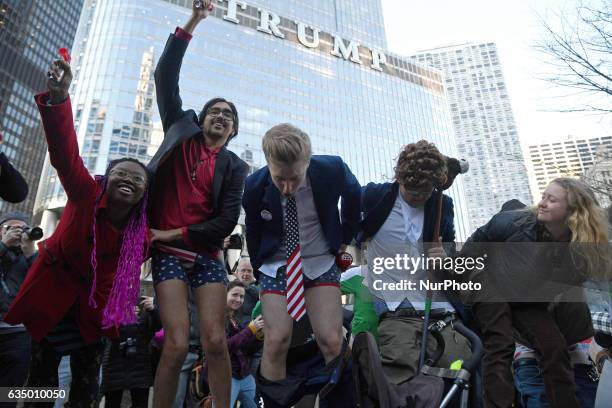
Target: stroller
{"type": "Point", "coordinates": [432, 387]}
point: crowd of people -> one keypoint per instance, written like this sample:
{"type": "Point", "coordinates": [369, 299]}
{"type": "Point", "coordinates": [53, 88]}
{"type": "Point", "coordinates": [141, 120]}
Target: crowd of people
{"type": "Point", "coordinates": [272, 330]}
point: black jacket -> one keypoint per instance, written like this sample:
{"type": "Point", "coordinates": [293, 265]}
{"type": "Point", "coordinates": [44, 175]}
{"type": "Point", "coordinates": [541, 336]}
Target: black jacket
{"type": "Point", "coordinates": [13, 187]}
{"type": "Point", "coordinates": [378, 201]}
{"type": "Point", "coordinates": [127, 361]}
{"type": "Point", "coordinates": [522, 228]}
{"type": "Point", "coordinates": [13, 269]}
{"type": "Point", "coordinates": [508, 226]}
{"type": "Point", "coordinates": [180, 125]}
{"type": "Point", "coordinates": [521, 258]}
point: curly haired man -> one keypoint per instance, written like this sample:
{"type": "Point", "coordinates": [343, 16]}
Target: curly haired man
{"type": "Point", "coordinates": [398, 223]}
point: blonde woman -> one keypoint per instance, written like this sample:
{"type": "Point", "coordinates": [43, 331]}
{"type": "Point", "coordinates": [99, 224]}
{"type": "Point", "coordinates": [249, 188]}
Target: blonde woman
{"type": "Point", "coordinates": [568, 212]}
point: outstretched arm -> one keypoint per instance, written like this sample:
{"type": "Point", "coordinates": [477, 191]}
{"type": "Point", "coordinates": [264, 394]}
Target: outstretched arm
{"type": "Point", "coordinates": [168, 68]}
{"type": "Point", "coordinates": [56, 115]}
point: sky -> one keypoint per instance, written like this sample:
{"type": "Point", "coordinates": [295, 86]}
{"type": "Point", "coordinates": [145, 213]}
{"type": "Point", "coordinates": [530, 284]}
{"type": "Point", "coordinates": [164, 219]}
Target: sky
{"type": "Point", "coordinates": [414, 25]}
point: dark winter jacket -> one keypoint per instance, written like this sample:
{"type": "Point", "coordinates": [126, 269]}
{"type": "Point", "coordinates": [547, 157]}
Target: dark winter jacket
{"type": "Point", "coordinates": [126, 362]}
{"type": "Point", "coordinates": [523, 262]}
{"type": "Point", "coordinates": [13, 269]}
{"type": "Point", "coordinates": [528, 268]}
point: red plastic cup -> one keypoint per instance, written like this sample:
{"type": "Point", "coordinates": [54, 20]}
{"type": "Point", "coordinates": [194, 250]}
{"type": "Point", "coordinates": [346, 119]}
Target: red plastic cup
{"type": "Point", "coordinates": [344, 261]}
{"type": "Point", "coordinates": [63, 52]}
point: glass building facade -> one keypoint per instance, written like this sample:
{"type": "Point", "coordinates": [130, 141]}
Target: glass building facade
{"type": "Point", "coordinates": [363, 106]}
{"type": "Point", "coordinates": [30, 34]}
{"type": "Point", "coordinates": [484, 126]}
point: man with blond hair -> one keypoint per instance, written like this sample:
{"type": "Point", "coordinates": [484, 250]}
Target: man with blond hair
{"type": "Point", "coordinates": [294, 232]}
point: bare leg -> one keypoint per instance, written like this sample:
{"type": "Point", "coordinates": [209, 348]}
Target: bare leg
{"type": "Point", "coordinates": [277, 328]}
{"type": "Point", "coordinates": [324, 309]}
{"type": "Point", "coordinates": [211, 299]}
{"type": "Point", "coordinates": [172, 297]}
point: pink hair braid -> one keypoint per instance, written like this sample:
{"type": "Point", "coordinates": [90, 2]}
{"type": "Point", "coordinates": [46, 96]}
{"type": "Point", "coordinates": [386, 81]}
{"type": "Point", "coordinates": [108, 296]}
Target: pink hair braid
{"type": "Point", "coordinates": [119, 309]}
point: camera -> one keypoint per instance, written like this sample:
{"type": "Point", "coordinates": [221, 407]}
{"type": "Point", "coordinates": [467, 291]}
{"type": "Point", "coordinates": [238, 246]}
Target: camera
{"type": "Point", "coordinates": [34, 234]}
{"type": "Point", "coordinates": [235, 242]}
{"type": "Point", "coordinates": [129, 347]}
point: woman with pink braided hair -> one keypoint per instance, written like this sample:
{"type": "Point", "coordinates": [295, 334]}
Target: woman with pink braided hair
{"type": "Point", "coordinates": [85, 282]}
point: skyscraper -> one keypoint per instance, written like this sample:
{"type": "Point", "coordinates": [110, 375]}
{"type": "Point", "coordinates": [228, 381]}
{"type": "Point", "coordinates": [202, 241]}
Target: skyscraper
{"type": "Point", "coordinates": [30, 34]}
{"type": "Point", "coordinates": [599, 177]}
{"type": "Point", "coordinates": [484, 126]}
{"type": "Point", "coordinates": [320, 65]}
{"type": "Point", "coordinates": [571, 157]}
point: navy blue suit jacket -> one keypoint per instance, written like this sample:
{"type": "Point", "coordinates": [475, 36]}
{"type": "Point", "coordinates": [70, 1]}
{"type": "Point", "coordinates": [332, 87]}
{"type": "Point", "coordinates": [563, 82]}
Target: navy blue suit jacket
{"type": "Point", "coordinates": [377, 203]}
{"type": "Point", "coordinates": [330, 179]}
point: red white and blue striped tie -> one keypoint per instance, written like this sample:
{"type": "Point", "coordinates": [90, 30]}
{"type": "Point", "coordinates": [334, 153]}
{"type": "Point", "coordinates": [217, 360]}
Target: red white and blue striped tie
{"type": "Point", "coordinates": [296, 306]}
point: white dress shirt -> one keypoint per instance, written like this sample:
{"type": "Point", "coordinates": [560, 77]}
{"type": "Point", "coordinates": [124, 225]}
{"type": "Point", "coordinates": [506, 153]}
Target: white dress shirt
{"type": "Point", "coordinates": [316, 258]}
{"type": "Point", "coordinates": [401, 233]}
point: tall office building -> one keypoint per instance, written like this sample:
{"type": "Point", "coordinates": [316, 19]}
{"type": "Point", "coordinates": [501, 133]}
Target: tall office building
{"type": "Point", "coordinates": [599, 176]}
{"type": "Point", "coordinates": [320, 65]}
{"type": "Point", "coordinates": [30, 34]}
{"type": "Point", "coordinates": [577, 157]}
{"type": "Point", "coordinates": [484, 126]}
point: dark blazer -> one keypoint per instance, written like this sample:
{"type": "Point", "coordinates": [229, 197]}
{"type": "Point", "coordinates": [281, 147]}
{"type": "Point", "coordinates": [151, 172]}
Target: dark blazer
{"type": "Point", "coordinates": [330, 179]}
{"type": "Point", "coordinates": [13, 187]}
{"type": "Point", "coordinates": [180, 125]}
{"type": "Point", "coordinates": [378, 201]}
{"type": "Point", "coordinates": [13, 270]}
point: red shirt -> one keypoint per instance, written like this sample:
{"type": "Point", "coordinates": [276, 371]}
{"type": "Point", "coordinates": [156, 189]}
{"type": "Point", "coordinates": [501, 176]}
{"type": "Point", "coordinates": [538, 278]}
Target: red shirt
{"type": "Point", "coordinates": [182, 34]}
{"type": "Point", "coordinates": [183, 190]}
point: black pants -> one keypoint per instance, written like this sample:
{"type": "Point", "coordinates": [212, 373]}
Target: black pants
{"type": "Point", "coordinates": [495, 321]}
{"type": "Point", "coordinates": [85, 368]}
{"type": "Point", "coordinates": [15, 351]}
{"type": "Point", "coordinates": [140, 398]}
{"type": "Point", "coordinates": [539, 328]}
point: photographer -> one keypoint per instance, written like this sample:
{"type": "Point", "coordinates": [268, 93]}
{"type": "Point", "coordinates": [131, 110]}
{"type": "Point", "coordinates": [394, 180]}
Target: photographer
{"type": "Point", "coordinates": [126, 364]}
{"type": "Point", "coordinates": [17, 253]}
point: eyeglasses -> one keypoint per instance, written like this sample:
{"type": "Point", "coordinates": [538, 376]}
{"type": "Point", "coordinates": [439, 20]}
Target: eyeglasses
{"type": "Point", "coordinates": [225, 113]}
{"type": "Point", "coordinates": [135, 178]}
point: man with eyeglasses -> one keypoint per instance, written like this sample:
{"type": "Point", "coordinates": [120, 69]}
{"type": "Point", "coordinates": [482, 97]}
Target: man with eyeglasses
{"type": "Point", "coordinates": [17, 253]}
{"type": "Point", "coordinates": [399, 220]}
{"type": "Point", "coordinates": [195, 204]}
